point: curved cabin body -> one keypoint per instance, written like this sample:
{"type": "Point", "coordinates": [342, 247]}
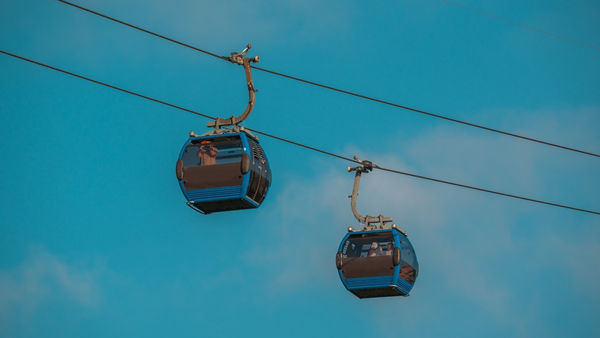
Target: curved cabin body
{"type": "Point", "coordinates": [377, 263]}
{"type": "Point", "coordinates": [223, 172]}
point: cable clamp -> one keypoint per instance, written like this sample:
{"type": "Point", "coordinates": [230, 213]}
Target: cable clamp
{"type": "Point", "coordinates": [367, 166]}
{"type": "Point", "coordinates": [239, 57]}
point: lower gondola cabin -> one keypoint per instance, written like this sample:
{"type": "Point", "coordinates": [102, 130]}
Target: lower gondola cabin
{"type": "Point", "coordinates": [377, 263]}
{"type": "Point", "coordinates": [223, 172]}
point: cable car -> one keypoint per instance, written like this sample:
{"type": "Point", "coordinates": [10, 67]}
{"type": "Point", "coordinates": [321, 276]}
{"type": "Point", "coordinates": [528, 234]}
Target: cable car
{"type": "Point", "coordinates": [225, 168]}
{"type": "Point", "coordinates": [377, 263]}
{"type": "Point", "coordinates": [379, 260]}
{"type": "Point", "coordinates": [223, 172]}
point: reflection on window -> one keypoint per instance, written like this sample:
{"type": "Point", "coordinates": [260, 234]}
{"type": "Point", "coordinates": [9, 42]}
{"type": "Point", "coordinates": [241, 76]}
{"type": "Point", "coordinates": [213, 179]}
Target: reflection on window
{"type": "Point", "coordinates": [408, 273]}
{"type": "Point", "coordinates": [260, 174]}
{"type": "Point", "coordinates": [213, 151]}
{"type": "Point", "coordinates": [409, 267]}
{"type": "Point", "coordinates": [368, 245]}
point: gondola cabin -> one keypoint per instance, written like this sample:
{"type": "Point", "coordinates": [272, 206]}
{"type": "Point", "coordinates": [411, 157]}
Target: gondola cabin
{"type": "Point", "coordinates": [377, 263]}
{"type": "Point", "coordinates": [223, 172]}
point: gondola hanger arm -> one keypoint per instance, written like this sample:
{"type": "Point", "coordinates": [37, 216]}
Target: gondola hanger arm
{"type": "Point", "coordinates": [378, 222]}
{"type": "Point", "coordinates": [240, 59]}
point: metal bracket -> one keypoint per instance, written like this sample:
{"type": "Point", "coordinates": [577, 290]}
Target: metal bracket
{"type": "Point", "coordinates": [234, 129]}
{"type": "Point", "coordinates": [240, 59]}
{"type": "Point", "coordinates": [371, 223]}
{"type": "Point", "coordinates": [367, 166]}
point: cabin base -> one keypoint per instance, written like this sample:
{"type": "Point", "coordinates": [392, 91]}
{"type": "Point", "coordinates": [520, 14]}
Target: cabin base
{"type": "Point", "coordinates": [217, 206]}
{"type": "Point", "coordinates": [388, 291]}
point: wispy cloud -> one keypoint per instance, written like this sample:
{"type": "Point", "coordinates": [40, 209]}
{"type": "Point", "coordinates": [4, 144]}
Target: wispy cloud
{"type": "Point", "coordinates": [307, 212]}
{"type": "Point", "coordinates": [472, 246]}
{"type": "Point", "coordinates": [40, 278]}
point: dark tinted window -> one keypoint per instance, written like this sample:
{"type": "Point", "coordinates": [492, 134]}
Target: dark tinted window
{"type": "Point", "coordinates": [260, 177]}
{"type": "Point", "coordinates": [254, 185]}
{"type": "Point", "coordinates": [213, 151]}
{"type": "Point", "coordinates": [263, 184]}
{"type": "Point", "coordinates": [368, 245]}
{"type": "Point", "coordinates": [409, 268]}
{"type": "Point", "coordinates": [365, 255]}
{"type": "Point", "coordinates": [253, 182]}
{"type": "Point", "coordinates": [190, 157]}
{"type": "Point", "coordinates": [212, 163]}
{"type": "Point", "coordinates": [257, 152]}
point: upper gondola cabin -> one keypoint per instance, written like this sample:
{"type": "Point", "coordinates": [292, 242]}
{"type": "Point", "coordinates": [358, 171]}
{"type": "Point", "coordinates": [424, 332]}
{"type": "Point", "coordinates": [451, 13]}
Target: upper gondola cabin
{"type": "Point", "coordinates": [225, 169]}
{"type": "Point", "coordinates": [223, 172]}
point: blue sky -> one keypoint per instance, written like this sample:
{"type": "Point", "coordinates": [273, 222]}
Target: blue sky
{"type": "Point", "coordinates": [97, 240]}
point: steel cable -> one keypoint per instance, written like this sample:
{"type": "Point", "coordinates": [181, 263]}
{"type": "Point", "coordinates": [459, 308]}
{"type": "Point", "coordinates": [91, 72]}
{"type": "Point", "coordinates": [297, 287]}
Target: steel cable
{"type": "Point", "coordinates": [298, 143]}
{"type": "Point", "coordinates": [419, 111]}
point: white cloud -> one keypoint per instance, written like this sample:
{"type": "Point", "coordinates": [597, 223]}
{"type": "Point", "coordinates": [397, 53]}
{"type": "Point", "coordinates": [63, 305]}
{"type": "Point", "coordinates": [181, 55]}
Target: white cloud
{"type": "Point", "coordinates": [471, 245]}
{"type": "Point", "coordinates": [569, 253]}
{"type": "Point", "coordinates": [310, 224]}
{"type": "Point", "coordinates": [40, 278]}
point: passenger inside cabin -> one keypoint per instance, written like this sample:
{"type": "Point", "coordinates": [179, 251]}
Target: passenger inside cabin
{"type": "Point", "coordinates": [375, 250]}
{"type": "Point", "coordinates": [207, 153]}
{"type": "Point", "coordinates": [390, 249]}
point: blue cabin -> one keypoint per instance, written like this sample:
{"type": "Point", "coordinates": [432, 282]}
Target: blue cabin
{"type": "Point", "coordinates": [223, 172]}
{"type": "Point", "coordinates": [377, 263]}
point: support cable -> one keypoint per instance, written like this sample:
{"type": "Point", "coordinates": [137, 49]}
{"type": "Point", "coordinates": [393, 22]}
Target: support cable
{"type": "Point", "coordinates": [298, 143]}
{"type": "Point", "coordinates": [419, 111]}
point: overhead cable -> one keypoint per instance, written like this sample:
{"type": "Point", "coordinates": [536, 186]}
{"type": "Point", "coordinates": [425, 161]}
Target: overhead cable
{"type": "Point", "coordinates": [531, 28]}
{"type": "Point", "coordinates": [531, 139]}
{"type": "Point", "coordinates": [298, 143]}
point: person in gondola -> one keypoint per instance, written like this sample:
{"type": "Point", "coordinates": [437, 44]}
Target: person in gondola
{"type": "Point", "coordinates": [207, 153]}
{"type": "Point", "coordinates": [390, 249]}
{"type": "Point", "coordinates": [375, 250]}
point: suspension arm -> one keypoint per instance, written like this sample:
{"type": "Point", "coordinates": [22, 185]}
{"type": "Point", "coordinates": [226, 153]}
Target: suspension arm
{"type": "Point", "coordinates": [245, 62]}
{"type": "Point", "coordinates": [366, 167]}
